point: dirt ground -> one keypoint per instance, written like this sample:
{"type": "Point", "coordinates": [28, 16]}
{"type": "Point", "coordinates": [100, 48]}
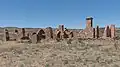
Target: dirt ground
{"type": "Point", "coordinates": [67, 53]}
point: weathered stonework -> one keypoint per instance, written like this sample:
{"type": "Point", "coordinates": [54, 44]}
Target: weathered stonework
{"type": "Point", "coordinates": [58, 34]}
{"type": "Point", "coordinates": [6, 35]}
{"type": "Point", "coordinates": [61, 28]}
{"type": "Point", "coordinates": [71, 34]}
{"type": "Point", "coordinates": [89, 22]}
{"type": "Point", "coordinates": [23, 32]}
{"type": "Point", "coordinates": [88, 31]}
{"type": "Point", "coordinates": [35, 35]}
{"type": "Point", "coordinates": [40, 35]}
{"type": "Point", "coordinates": [34, 38]}
{"type": "Point", "coordinates": [112, 31]}
{"type": "Point", "coordinates": [93, 32]}
{"type": "Point", "coordinates": [49, 33]}
{"type": "Point", "coordinates": [106, 32]}
{"type": "Point", "coordinates": [97, 32]}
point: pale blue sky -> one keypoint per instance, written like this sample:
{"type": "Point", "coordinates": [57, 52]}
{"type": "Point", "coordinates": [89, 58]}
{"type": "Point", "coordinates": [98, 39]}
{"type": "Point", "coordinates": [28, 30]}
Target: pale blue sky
{"type": "Point", "coordinates": [71, 13]}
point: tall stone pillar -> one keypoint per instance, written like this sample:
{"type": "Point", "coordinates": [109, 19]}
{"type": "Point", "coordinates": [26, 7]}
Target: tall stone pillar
{"type": "Point", "coordinates": [112, 29]}
{"type": "Point", "coordinates": [6, 35]}
{"type": "Point", "coordinates": [89, 22]}
{"type": "Point", "coordinates": [93, 32]}
{"type": "Point", "coordinates": [23, 32]}
{"type": "Point", "coordinates": [97, 31]}
{"type": "Point", "coordinates": [106, 32]}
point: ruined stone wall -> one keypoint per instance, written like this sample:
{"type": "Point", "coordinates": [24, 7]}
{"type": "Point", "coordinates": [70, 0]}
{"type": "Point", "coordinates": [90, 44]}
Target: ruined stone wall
{"type": "Point", "coordinates": [36, 34]}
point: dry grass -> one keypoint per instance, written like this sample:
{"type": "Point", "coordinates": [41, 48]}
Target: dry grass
{"type": "Point", "coordinates": [67, 53]}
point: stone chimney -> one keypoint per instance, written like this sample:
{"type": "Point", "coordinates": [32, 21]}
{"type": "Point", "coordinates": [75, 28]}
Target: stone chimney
{"type": "Point", "coordinates": [89, 22]}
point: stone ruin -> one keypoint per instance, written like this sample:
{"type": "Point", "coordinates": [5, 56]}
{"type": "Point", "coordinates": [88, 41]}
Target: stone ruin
{"type": "Point", "coordinates": [109, 31]}
{"type": "Point", "coordinates": [90, 32]}
{"type": "Point", "coordinates": [35, 35]}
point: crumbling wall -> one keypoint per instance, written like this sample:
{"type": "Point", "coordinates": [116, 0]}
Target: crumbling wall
{"type": "Point", "coordinates": [37, 34]}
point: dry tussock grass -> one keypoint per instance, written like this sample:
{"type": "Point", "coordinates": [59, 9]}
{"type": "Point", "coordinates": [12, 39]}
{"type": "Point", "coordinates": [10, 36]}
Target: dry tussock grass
{"type": "Point", "coordinates": [66, 53]}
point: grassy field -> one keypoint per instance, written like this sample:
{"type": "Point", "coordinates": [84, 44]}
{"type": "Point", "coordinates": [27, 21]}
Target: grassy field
{"type": "Point", "coordinates": [67, 53]}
